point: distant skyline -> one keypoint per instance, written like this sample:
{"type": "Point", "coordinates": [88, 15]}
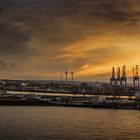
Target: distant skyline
{"type": "Point", "coordinates": [39, 39]}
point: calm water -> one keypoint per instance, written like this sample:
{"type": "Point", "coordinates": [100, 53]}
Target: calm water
{"type": "Point", "coordinates": [61, 123]}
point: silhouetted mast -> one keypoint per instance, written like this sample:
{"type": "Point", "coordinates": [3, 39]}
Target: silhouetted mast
{"type": "Point", "coordinates": [72, 76]}
{"type": "Point", "coordinates": [61, 78]}
{"type": "Point", "coordinates": [66, 74]}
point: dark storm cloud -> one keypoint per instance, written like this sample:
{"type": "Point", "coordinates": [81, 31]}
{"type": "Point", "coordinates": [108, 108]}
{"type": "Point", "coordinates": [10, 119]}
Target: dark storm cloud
{"type": "Point", "coordinates": [115, 11]}
{"type": "Point", "coordinates": [12, 40]}
{"type": "Point", "coordinates": [4, 65]}
{"type": "Point", "coordinates": [43, 28]}
{"type": "Point", "coordinates": [59, 21]}
{"type": "Point", "coordinates": [64, 20]}
{"type": "Point", "coordinates": [110, 10]}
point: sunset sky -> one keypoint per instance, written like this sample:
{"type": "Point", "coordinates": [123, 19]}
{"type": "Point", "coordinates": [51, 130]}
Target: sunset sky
{"type": "Point", "coordinates": [39, 39]}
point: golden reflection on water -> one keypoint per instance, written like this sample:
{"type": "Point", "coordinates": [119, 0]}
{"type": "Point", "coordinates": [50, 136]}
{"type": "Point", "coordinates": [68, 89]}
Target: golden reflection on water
{"type": "Point", "coordinates": [68, 123]}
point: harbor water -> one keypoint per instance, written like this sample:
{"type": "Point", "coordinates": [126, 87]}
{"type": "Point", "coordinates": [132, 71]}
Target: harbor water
{"type": "Point", "coordinates": [67, 123]}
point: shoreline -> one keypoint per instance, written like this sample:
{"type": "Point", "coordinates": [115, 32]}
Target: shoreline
{"type": "Point", "coordinates": [45, 103]}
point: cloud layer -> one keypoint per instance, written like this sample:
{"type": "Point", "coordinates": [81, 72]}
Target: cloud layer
{"type": "Point", "coordinates": [40, 39]}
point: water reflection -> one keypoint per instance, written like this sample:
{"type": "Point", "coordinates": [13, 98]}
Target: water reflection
{"type": "Point", "coordinates": [63, 123]}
